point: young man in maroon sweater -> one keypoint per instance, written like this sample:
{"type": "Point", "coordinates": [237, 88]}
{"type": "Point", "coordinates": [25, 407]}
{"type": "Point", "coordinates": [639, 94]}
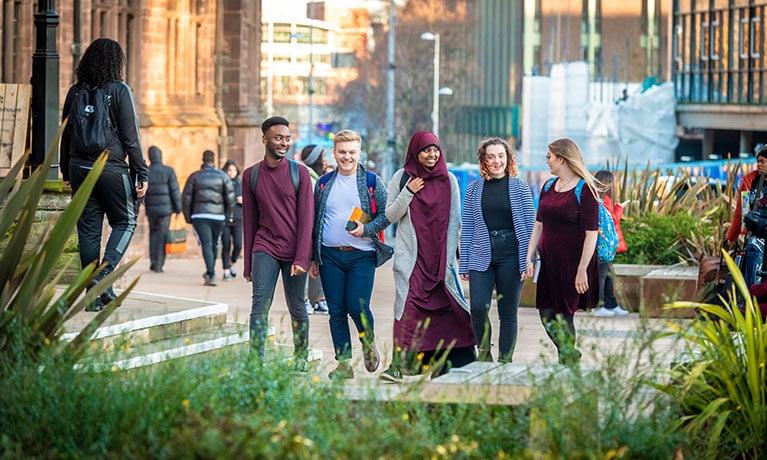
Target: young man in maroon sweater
{"type": "Point", "coordinates": [277, 235]}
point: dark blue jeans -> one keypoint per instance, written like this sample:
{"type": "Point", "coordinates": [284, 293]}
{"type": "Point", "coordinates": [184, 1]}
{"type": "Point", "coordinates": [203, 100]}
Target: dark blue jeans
{"type": "Point", "coordinates": [503, 274]}
{"type": "Point", "coordinates": [231, 244]}
{"type": "Point", "coordinates": [265, 270]}
{"type": "Point", "coordinates": [208, 231]}
{"type": "Point", "coordinates": [347, 279]}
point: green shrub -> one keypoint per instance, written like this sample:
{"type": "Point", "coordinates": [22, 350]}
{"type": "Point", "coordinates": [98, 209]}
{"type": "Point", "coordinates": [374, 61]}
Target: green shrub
{"type": "Point", "coordinates": [224, 406]}
{"type": "Point", "coordinates": [721, 386]}
{"type": "Point", "coordinates": [32, 308]}
{"type": "Point", "coordinates": [661, 239]}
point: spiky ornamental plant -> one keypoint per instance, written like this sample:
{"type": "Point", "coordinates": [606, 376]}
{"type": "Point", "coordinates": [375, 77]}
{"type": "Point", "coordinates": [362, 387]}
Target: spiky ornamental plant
{"type": "Point", "coordinates": [722, 387]}
{"type": "Point", "coordinates": [33, 308]}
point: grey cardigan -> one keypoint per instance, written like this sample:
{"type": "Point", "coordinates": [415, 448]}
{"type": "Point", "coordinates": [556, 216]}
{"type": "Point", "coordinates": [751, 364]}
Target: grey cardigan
{"type": "Point", "coordinates": [378, 220]}
{"type": "Point", "coordinates": [406, 246]}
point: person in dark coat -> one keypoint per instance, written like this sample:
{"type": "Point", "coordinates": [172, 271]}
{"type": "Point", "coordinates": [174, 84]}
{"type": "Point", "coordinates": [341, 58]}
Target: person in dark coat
{"type": "Point", "coordinates": [122, 183]}
{"type": "Point", "coordinates": [162, 199]}
{"type": "Point", "coordinates": [207, 203]}
{"type": "Point", "coordinates": [231, 235]}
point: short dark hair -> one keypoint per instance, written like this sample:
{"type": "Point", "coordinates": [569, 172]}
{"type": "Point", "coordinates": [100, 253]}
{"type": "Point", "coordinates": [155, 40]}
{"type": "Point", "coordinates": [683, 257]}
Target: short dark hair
{"type": "Point", "coordinates": [269, 122]}
{"type": "Point", "coordinates": [208, 156]}
{"type": "Point", "coordinates": [762, 152]}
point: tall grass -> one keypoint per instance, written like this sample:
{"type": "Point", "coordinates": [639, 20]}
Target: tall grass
{"type": "Point", "coordinates": [225, 406]}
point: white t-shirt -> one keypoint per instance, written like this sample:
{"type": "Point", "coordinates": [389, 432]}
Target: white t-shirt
{"type": "Point", "coordinates": [343, 197]}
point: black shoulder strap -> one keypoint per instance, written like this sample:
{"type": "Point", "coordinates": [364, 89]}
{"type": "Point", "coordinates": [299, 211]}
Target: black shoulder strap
{"type": "Point", "coordinates": [293, 166]}
{"type": "Point", "coordinates": [254, 179]}
{"type": "Point", "coordinates": [294, 177]}
{"type": "Point", "coordinates": [403, 180]}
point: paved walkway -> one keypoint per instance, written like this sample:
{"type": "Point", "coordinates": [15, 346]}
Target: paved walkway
{"type": "Point", "coordinates": [183, 278]}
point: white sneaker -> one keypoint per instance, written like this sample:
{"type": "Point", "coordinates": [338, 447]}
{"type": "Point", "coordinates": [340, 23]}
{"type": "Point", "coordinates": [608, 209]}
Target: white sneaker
{"type": "Point", "coordinates": [308, 306]}
{"type": "Point", "coordinates": [321, 307]}
{"type": "Point", "coordinates": [620, 311]}
{"type": "Point", "coordinates": [603, 312]}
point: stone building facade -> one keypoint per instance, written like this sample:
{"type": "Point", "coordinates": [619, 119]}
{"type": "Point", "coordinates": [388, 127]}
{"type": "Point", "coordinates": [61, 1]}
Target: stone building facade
{"type": "Point", "coordinates": [193, 66]}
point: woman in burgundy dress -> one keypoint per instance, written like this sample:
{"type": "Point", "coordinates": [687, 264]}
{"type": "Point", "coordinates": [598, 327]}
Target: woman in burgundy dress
{"type": "Point", "coordinates": [431, 315]}
{"type": "Point", "coordinates": [566, 228]}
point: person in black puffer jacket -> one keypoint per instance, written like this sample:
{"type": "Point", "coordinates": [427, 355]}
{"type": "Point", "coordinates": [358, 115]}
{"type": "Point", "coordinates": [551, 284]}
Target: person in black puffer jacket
{"type": "Point", "coordinates": [207, 203]}
{"type": "Point", "coordinates": [162, 199]}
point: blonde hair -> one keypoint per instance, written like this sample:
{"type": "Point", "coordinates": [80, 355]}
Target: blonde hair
{"type": "Point", "coordinates": [346, 135]}
{"type": "Point", "coordinates": [511, 158]}
{"type": "Point", "coordinates": [568, 150]}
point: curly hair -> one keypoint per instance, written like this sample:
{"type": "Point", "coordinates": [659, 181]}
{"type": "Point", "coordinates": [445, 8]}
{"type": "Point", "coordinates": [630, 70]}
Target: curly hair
{"type": "Point", "coordinates": [511, 160]}
{"type": "Point", "coordinates": [102, 63]}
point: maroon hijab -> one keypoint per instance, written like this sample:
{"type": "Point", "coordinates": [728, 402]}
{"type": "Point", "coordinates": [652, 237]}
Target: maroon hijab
{"type": "Point", "coordinates": [430, 214]}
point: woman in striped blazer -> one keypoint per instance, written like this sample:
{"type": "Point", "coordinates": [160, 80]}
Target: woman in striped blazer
{"type": "Point", "coordinates": [498, 218]}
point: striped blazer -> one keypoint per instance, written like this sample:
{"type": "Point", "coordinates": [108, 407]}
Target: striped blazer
{"type": "Point", "coordinates": [475, 238]}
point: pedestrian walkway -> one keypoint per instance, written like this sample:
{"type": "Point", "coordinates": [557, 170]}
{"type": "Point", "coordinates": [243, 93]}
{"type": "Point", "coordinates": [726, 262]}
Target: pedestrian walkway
{"type": "Point", "coordinates": [597, 336]}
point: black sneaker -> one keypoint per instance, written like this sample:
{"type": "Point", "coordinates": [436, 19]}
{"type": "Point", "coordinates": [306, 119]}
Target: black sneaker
{"type": "Point", "coordinates": [108, 296]}
{"type": "Point", "coordinates": [209, 280]}
{"type": "Point", "coordinates": [392, 375]}
{"type": "Point", "coordinates": [96, 305]}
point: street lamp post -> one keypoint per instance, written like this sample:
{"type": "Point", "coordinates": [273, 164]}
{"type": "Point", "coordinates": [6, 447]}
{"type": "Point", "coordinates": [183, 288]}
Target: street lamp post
{"type": "Point", "coordinates": [45, 85]}
{"type": "Point", "coordinates": [435, 107]}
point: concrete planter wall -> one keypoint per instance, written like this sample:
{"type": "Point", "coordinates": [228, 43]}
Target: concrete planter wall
{"type": "Point", "coordinates": [645, 288]}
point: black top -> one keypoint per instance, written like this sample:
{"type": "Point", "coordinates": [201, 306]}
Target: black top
{"type": "Point", "coordinates": [125, 144]}
{"type": "Point", "coordinates": [496, 206]}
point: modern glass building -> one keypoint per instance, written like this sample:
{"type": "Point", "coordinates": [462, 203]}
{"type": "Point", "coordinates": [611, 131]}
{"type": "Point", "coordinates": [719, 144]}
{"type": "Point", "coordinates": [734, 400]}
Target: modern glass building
{"type": "Point", "coordinates": [719, 72]}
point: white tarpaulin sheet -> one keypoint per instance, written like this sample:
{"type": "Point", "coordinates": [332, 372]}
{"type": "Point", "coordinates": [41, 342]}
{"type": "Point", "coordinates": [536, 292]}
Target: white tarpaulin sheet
{"type": "Point", "coordinates": [640, 129]}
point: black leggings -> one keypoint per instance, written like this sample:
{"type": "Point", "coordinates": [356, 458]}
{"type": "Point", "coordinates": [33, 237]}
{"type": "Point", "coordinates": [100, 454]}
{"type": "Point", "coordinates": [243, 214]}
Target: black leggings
{"type": "Point", "coordinates": [560, 328]}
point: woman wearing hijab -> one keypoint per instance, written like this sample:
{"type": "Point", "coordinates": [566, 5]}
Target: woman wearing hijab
{"type": "Point", "coordinates": [431, 316]}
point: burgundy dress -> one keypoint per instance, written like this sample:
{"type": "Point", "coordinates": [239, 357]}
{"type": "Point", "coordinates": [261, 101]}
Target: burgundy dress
{"type": "Point", "coordinates": [564, 225]}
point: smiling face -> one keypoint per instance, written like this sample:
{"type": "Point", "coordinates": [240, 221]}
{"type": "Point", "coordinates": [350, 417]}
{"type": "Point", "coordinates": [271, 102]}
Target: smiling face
{"type": "Point", "coordinates": [277, 140]}
{"type": "Point", "coordinates": [496, 161]}
{"type": "Point", "coordinates": [347, 156]}
{"type": "Point", "coordinates": [231, 171]}
{"type": "Point", "coordinates": [429, 156]}
{"type": "Point", "coordinates": [554, 162]}
{"type": "Point", "coordinates": [761, 164]}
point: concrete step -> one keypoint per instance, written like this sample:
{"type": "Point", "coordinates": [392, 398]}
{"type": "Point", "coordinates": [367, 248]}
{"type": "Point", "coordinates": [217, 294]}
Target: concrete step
{"type": "Point", "coordinates": [150, 328]}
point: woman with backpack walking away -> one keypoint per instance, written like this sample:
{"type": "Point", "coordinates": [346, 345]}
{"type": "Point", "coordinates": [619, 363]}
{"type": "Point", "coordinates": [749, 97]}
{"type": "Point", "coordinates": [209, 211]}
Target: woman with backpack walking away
{"type": "Point", "coordinates": [565, 235]}
{"type": "Point", "coordinates": [102, 118]}
{"type": "Point", "coordinates": [608, 304]}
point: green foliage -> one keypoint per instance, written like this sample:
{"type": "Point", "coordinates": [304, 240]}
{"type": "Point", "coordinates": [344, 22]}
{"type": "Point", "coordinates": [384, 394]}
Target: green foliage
{"type": "Point", "coordinates": [673, 200]}
{"type": "Point", "coordinates": [722, 386]}
{"type": "Point", "coordinates": [224, 406]}
{"type": "Point", "coordinates": [661, 238]}
{"type": "Point", "coordinates": [32, 309]}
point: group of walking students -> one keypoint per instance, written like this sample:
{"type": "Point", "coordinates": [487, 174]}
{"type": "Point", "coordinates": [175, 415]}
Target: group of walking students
{"type": "Point", "coordinates": [332, 228]}
{"type": "Point", "coordinates": [333, 231]}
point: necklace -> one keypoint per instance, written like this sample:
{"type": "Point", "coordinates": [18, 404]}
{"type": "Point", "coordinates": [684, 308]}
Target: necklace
{"type": "Point", "coordinates": [566, 186]}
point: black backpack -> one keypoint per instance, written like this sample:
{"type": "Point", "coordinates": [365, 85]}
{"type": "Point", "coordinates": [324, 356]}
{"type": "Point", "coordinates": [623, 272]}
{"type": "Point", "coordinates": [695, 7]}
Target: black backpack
{"type": "Point", "coordinates": [90, 126]}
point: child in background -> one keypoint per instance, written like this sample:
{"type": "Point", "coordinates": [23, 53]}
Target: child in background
{"type": "Point", "coordinates": [609, 307]}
